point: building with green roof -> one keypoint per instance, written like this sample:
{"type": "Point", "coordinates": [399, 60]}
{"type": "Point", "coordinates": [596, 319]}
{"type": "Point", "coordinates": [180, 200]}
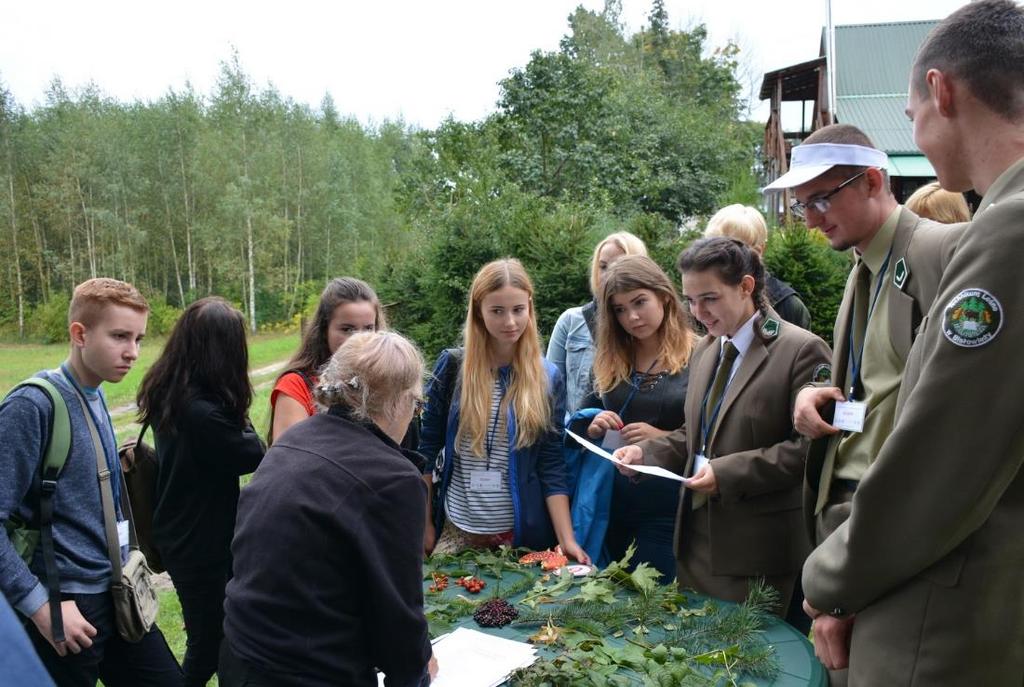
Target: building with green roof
{"type": "Point", "coordinates": [872, 75]}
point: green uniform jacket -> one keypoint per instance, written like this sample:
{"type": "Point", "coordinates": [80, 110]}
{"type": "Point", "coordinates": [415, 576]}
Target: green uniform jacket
{"type": "Point", "coordinates": [757, 456]}
{"type": "Point", "coordinates": [925, 247]}
{"type": "Point", "coordinates": [931, 558]}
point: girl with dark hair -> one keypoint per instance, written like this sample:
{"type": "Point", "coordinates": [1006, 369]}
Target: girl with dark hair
{"type": "Point", "coordinates": [347, 306]}
{"type": "Point", "coordinates": [196, 398]}
{"type": "Point", "coordinates": [740, 519]}
{"type": "Point", "coordinates": [643, 345]}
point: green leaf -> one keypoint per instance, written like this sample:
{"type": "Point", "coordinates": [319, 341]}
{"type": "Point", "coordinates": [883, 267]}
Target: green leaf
{"type": "Point", "coordinates": [645, 578]}
{"type": "Point", "coordinates": [598, 590]}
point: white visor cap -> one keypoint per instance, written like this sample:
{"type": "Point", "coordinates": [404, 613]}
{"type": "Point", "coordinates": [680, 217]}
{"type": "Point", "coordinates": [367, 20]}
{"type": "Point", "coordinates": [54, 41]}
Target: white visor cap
{"type": "Point", "coordinates": [812, 160]}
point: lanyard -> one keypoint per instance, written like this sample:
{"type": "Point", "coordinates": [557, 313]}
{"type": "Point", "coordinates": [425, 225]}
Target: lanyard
{"type": "Point", "coordinates": [856, 358]}
{"type": "Point", "coordinates": [634, 386]}
{"type": "Point", "coordinates": [114, 483]}
{"type": "Point", "coordinates": [489, 439]}
{"type": "Point", "coordinates": [705, 430]}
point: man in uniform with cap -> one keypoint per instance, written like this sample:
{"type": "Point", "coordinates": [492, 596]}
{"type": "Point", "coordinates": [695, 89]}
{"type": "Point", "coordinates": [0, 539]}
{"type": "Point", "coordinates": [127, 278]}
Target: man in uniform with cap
{"type": "Point", "coordinates": [931, 558]}
{"type": "Point", "coordinates": [840, 185]}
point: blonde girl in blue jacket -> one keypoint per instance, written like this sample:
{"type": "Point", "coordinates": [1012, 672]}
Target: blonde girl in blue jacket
{"type": "Point", "coordinates": [492, 422]}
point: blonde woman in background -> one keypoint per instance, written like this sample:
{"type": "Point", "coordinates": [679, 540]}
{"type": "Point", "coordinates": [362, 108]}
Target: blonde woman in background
{"type": "Point", "coordinates": [496, 409]}
{"type": "Point", "coordinates": [571, 347]}
{"type": "Point", "coordinates": [746, 224]}
{"type": "Point", "coordinates": [933, 202]}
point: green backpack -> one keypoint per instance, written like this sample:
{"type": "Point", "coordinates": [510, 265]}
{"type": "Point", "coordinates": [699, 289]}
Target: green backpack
{"type": "Point", "coordinates": [26, 537]}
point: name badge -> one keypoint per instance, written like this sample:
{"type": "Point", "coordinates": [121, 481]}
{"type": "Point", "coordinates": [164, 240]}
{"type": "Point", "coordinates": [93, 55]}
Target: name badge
{"type": "Point", "coordinates": [612, 440]}
{"type": "Point", "coordinates": [485, 480]}
{"type": "Point", "coordinates": [850, 415]}
{"type": "Point", "coordinates": [122, 533]}
{"type": "Point", "coordinates": [699, 461]}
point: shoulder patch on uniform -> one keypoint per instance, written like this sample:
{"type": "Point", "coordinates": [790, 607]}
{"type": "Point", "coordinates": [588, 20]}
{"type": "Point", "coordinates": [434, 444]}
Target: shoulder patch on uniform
{"type": "Point", "coordinates": [770, 328]}
{"type": "Point", "coordinates": [900, 273]}
{"type": "Point", "coordinates": [972, 318]}
{"type": "Point", "coordinates": [822, 374]}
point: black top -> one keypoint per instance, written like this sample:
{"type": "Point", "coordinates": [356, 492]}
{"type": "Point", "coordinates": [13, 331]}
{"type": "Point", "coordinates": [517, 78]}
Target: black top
{"type": "Point", "coordinates": [328, 557]}
{"type": "Point", "coordinates": [658, 401]}
{"type": "Point", "coordinates": [197, 487]}
{"type": "Point", "coordinates": [786, 301]}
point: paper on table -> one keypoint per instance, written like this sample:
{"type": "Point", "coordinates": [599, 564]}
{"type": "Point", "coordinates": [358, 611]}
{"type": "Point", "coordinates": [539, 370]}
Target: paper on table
{"type": "Point", "coordinates": [646, 469]}
{"type": "Point", "coordinates": [469, 658]}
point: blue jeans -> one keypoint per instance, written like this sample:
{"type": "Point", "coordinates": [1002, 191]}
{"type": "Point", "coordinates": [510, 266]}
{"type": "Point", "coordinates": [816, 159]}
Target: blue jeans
{"type": "Point", "coordinates": [146, 663]}
{"type": "Point", "coordinates": [644, 513]}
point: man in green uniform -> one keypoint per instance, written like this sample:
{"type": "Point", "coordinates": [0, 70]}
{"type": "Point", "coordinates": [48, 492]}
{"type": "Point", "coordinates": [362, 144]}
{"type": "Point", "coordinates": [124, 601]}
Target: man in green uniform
{"type": "Point", "coordinates": [838, 178]}
{"type": "Point", "coordinates": [931, 558]}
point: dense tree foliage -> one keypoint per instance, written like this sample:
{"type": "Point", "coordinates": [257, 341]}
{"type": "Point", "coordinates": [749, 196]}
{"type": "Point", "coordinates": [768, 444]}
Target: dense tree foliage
{"type": "Point", "coordinates": [245, 193]}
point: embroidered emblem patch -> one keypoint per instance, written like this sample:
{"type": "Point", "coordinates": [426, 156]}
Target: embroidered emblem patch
{"type": "Point", "coordinates": [822, 374]}
{"type": "Point", "coordinates": [972, 318]}
{"type": "Point", "coordinates": [900, 273]}
{"type": "Point", "coordinates": [770, 328]}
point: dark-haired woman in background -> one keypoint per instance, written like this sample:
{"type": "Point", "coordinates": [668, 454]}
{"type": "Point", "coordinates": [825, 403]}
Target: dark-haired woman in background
{"type": "Point", "coordinates": [347, 306]}
{"type": "Point", "coordinates": [196, 398]}
{"type": "Point", "coordinates": [740, 519]}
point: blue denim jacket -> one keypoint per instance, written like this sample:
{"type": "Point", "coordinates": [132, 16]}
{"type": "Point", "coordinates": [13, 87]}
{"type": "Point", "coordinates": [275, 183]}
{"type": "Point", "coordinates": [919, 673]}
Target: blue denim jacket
{"type": "Point", "coordinates": [571, 350]}
{"type": "Point", "coordinates": [535, 472]}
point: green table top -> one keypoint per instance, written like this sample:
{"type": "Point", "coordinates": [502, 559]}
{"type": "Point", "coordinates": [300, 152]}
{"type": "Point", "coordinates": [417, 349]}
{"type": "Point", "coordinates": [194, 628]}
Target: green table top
{"type": "Point", "coordinates": [794, 654]}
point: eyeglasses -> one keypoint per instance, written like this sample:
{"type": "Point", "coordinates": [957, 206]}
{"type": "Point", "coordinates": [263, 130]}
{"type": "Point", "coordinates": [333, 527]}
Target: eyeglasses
{"type": "Point", "coordinates": [821, 204]}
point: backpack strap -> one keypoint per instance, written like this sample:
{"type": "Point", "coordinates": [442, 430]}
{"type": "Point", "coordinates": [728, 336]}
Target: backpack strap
{"type": "Point", "coordinates": [58, 446]}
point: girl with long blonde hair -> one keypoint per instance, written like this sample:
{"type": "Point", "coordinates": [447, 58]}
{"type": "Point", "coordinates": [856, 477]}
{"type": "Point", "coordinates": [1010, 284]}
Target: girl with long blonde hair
{"type": "Point", "coordinates": [640, 379]}
{"type": "Point", "coordinates": [494, 411]}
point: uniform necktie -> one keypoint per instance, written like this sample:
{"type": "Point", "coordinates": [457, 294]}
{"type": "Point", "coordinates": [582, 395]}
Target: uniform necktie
{"type": "Point", "coordinates": [729, 353]}
{"type": "Point", "coordinates": [861, 301]}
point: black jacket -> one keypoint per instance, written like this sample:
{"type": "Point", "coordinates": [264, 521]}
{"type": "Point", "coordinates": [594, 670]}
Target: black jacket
{"type": "Point", "coordinates": [328, 559]}
{"type": "Point", "coordinates": [197, 487]}
{"type": "Point", "coordinates": [786, 301]}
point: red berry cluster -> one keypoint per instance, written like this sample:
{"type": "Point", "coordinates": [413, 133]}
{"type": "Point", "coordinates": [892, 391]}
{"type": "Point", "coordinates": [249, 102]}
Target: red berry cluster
{"type": "Point", "coordinates": [473, 585]}
{"type": "Point", "coordinates": [440, 583]}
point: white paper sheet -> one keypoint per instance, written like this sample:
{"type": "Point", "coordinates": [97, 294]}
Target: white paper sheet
{"type": "Point", "coordinates": [646, 469]}
{"type": "Point", "coordinates": [469, 658]}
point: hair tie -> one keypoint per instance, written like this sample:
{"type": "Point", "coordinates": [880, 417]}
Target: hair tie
{"type": "Point", "coordinates": [330, 389]}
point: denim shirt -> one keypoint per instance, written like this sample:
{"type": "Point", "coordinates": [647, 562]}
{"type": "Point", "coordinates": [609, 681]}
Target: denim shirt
{"type": "Point", "coordinates": [571, 350]}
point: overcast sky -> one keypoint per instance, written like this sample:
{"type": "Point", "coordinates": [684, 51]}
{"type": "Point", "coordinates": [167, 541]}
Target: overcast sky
{"type": "Point", "coordinates": [379, 59]}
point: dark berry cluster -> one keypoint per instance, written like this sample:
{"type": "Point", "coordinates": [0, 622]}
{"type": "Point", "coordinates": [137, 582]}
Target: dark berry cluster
{"type": "Point", "coordinates": [495, 613]}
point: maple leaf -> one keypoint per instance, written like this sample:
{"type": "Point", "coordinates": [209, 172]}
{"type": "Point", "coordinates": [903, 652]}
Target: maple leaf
{"type": "Point", "coordinates": [597, 590]}
{"type": "Point", "coordinates": [645, 578]}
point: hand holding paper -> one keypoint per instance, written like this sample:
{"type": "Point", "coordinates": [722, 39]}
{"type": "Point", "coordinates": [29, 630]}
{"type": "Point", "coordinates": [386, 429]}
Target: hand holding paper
{"type": "Point", "coordinates": [646, 469]}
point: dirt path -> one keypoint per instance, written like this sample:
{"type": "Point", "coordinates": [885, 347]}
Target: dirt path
{"type": "Point", "coordinates": [119, 412]}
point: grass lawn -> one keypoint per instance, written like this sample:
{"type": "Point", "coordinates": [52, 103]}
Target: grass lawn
{"type": "Point", "coordinates": [18, 361]}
